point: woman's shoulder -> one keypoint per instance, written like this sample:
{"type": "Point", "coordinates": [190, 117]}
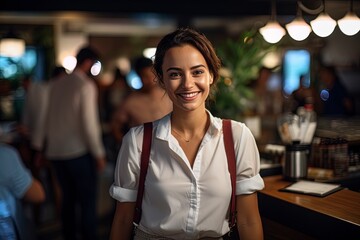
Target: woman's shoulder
{"type": "Point", "coordinates": [239, 129]}
{"type": "Point", "coordinates": [238, 126]}
{"type": "Point", "coordinates": [234, 123]}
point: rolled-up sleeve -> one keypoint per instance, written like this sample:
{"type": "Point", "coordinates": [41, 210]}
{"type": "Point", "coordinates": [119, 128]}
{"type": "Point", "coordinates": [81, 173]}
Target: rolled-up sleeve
{"type": "Point", "coordinates": [248, 179]}
{"type": "Point", "coordinates": [122, 194]}
{"type": "Point", "coordinates": [124, 188]}
{"type": "Point", "coordinates": [249, 185]}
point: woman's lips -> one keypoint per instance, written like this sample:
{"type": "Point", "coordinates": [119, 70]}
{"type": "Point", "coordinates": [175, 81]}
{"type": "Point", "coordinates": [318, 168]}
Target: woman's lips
{"type": "Point", "coordinates": [188, 96]}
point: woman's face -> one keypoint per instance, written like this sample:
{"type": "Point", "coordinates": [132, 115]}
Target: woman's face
{"type": "Point", "coordinates": [186, 77]}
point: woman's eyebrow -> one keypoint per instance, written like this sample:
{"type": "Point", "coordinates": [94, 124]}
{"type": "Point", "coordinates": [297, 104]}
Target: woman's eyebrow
{"type": "Point", "coordinates": [179, 69]}
{"type": "Point", "coordinates": [197, 66]}
{"type": "Point", "coordinates": [173, 68]}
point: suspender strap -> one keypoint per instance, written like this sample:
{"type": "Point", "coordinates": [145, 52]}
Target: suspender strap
{"type": "Point", "coordinates": [145, 155]}
{"type": "Point", "coordinates": [230, 154]}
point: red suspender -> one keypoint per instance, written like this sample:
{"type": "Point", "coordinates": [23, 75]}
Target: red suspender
{"type": "Point", "coordinates": [230, 154]}
{"type": "Point", "coordinates": [146, 147]}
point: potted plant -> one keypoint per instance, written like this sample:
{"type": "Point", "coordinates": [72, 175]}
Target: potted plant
{"type": "Point", "coordinates": [241, 60]}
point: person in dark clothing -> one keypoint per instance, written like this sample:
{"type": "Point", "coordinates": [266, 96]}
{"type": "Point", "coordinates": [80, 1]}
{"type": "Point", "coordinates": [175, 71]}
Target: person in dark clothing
{"type": "Point", "coordinates": [302, 95]}
{"type": "Point", "coordinates": [335, 98]}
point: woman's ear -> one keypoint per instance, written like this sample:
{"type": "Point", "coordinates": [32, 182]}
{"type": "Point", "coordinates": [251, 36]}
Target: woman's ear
{"type": "Point", "coordinates": [211, 79]}
{"type": "Point", "coordinates": [161, 83]}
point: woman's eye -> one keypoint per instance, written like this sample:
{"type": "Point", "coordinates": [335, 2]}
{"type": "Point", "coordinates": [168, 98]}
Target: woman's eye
{"type": "Point", "coordinates": [174, 74]}
{"type": "Point", "coordinates": [198, 72]}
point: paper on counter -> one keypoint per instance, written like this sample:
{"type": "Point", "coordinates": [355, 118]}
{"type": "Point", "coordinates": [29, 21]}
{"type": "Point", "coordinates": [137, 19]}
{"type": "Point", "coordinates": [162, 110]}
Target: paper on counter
{"type": "Point", "coordinates": [312, 188]}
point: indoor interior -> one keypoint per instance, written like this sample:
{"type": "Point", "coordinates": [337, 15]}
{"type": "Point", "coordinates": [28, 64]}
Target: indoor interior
{"type": "Point", "coordinates": [121, 30]}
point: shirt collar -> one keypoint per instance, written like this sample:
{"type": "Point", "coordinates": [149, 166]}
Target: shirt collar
{"type": "Point", "coordinates": [163, 126]}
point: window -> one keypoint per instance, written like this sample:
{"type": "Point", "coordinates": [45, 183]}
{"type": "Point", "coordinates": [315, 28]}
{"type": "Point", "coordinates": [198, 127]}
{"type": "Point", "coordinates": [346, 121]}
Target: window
{"type": "Point", "coordinates": [295, 64]}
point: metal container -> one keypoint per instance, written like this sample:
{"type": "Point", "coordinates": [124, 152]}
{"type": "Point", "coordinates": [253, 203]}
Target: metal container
{"type": "Point", "coordinates": [296, 161]}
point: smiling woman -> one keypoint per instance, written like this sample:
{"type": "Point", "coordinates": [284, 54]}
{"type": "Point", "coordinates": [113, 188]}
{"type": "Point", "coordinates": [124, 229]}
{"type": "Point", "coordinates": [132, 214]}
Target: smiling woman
{"type": "Point", "coordinates": [187, 143]}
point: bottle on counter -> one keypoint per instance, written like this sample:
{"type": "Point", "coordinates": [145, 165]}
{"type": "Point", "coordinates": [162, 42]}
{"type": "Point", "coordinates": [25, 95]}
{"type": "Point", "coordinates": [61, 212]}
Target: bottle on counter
{"type": "Point", "coordinates": [308, 123]}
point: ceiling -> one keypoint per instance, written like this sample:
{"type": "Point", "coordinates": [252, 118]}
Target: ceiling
{"type": "Point", "coordinates": [124, 17]}
{"type": "Point", "coordinates": [184, 8]}
{"type": "Point", "coordinates": [116, 23]}
{"type": "Point", "coordinates": [181, 8]}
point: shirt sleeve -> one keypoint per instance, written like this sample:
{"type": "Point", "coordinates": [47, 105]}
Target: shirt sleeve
{"type": "Point", "coordinates": [248, 179]}
{"type": "Point", "coordinates": [91, 122]}
{"type": "Point", "coordinates": [127, 170]}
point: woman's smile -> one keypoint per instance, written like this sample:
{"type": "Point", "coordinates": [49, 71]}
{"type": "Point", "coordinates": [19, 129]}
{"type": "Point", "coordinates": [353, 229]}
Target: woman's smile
{"type": "Point", "coordinates": [189, 96]}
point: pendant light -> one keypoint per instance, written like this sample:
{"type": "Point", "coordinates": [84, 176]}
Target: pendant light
{"type": "Point", "coordinates": [298, 29]}
{"type": "Point", "coordinates": [272, 32]}
{"type": "Point", "coordinates": [11, 45]}
{"type": "Point", "coordinates": [350, 23]}
{"type": "Point", "coordinates": [323, 25]}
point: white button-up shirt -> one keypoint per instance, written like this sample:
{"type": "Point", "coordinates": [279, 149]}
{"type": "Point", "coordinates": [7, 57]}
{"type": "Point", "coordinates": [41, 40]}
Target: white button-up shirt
{"type": "Point", "coordinates": [73, 126]}
{"type": "Point", "coordinates": [180, 201]}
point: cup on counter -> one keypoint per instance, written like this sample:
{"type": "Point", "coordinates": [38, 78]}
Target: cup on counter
{"type": "Point", "coordinates": [296, 161]}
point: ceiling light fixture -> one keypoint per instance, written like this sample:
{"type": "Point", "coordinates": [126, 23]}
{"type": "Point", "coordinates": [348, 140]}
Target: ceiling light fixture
{"type": "Point", "coordinates": [298, 29]}
{"type": "Point", "coordinates": [272, 32]}
{"type": "Point", "coordinates": [11, 45]}
{"type": "Point", "coordinates": [350, 23]}
{"type": "Point", "coordinates": [323, 25]}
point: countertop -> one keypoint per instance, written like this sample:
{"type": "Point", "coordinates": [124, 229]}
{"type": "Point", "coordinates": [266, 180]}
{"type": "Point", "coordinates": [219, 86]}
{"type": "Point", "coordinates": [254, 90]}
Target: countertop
{"type": "Point", "coordinates": [336, 215]}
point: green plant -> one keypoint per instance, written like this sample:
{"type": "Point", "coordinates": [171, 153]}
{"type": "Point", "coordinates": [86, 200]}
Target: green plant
{"type": "Point", "coordinates": [241, 59]}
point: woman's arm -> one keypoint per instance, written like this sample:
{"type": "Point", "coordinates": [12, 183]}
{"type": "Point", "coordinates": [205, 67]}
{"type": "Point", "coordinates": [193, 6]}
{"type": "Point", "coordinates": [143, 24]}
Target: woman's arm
{"type": "Point", "coordinates": [122, 225]}
{"type": "Point", "coordinates": [248, 217]}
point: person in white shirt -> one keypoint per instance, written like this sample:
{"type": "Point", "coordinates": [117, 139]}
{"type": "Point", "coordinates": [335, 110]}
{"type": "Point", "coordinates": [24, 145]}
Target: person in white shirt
{"type": "Point", "coordinates": [187, 187]}
{"type": "Point", "coordinates": [74, 145]}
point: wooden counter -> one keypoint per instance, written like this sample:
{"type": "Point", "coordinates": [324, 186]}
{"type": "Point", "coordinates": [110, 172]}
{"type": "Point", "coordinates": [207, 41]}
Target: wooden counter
{"type": "Point", "coordinates": [336, 216]}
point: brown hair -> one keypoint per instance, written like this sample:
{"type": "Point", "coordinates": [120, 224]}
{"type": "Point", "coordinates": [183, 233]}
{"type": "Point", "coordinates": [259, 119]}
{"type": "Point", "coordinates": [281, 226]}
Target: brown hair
{"type": "Point", "coordinates": [183, 36]}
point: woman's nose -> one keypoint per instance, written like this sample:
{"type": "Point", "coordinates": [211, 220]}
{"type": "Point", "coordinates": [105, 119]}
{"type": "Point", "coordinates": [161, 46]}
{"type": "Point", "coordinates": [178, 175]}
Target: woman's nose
{"type": "Point", "coordinates": [188, 81]}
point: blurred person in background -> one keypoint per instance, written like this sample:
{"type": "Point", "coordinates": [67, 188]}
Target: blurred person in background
{"type": "Point", "coordinates": [335, 100]}
{"type": "Point", "coordinates": [35, 108]}
{"type": "Point", "coordinates": [115, 93]}
{"type": "Point", "coordinates": [265, 106]}
{"type": "Point", "coordinates": [74, 145]}
{"type": "Point", "coordinates": [145, 105]}
{"type": "Point", "coordinates": [114, 96]}
{"type": "Point", "coordinates": [17, 186]}
{"type": "Point", "coordinates": [32, 132]}
{"type": "Point", "coordinates": [303, 95]}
